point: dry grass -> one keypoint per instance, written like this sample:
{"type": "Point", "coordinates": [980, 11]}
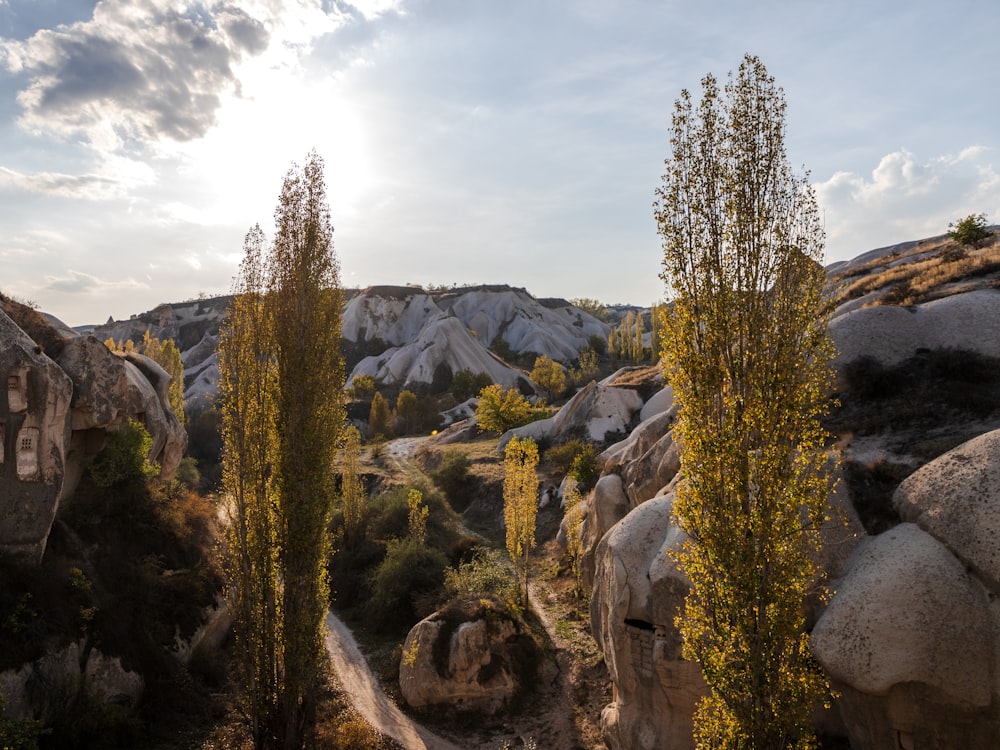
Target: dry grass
{"type": "Point", "coordinates": [920, 280]}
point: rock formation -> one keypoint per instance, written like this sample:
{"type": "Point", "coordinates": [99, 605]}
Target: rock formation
{"type": "Point", "coordinates": [35, 423]}
{"type": "Point", "coordinates": [467, 664]}
{"type": "Point", "coordinates": [57, 409]}
{"type": "Point", "coordinates": [637, 594]}
{"type": "Point", "coordinates": [911, 638]}
{"type": "Point", "coordinates": [592, 413]}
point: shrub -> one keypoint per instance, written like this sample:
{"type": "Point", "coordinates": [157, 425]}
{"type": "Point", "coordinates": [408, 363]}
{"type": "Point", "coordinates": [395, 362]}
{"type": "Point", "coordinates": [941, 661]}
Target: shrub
{"type": "Point", "coordinates": [453, 478]}
{"type": "Point", "coordinates": [409, 570]}
{"type": "Point", "coordinates": [970, 231]}
{"type": "Point", "coordinates": [550, 376]}
{"type": "Point", "coordinates": [125, 456]}
{"type": "Point", "coordinates": [559, 458]}
{"type": "Point", "coordinates": [362, 387]}
{"type": "Point", "coordinates": [584, 467]}
{"type": "Point", "coordinates": [488, 572]}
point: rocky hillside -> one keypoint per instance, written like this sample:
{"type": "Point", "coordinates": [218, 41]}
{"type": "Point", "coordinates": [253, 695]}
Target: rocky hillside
{"type": "Point", "coordinates": [405, 337]}
{"type": "Point", "coordinates": [909, 638]}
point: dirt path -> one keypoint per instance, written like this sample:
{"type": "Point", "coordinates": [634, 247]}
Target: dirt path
{"type": "Point", "coordinates": [364, 692]}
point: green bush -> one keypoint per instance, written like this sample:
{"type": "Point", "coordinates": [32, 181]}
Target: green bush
{"type": "Point", "coordinates": [408, 571]}
{"type": "Point", "coordinates": [125, 456]}
{"type": "Point", "coordinates": [488, 572]}
{"type": "Point", "coordinates": [584, 467]}
{"type": "Point", "coordinates": [453, 478]}
{"type": "Point", "coordinates": [503, 409]}
{"type": "Point", "coordinates": [559, 458]}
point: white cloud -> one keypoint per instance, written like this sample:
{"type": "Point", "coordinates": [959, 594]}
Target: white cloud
{"type": "Point", "coordinates": [76, 282]}
{"type": "Point", "coordinates": [906, 198]}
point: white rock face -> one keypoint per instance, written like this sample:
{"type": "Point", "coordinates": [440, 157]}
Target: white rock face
{"type": "Point", "coordinates": [550, 327]}
{"type": "Point", "coordinates": [893, 334]}
{"type": "Point", "coordinates": [443, 343]}
{"type": "Point", "coordinates": [908, 612]}
{"type": "Point", "coordinates": [397, 315]}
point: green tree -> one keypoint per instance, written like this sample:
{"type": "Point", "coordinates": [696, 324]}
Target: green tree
{"type": "Point", "coordinates": [282, 375]}
{"type": "Point", "coordinates": [550, 376]}
{"type": "Point", "coordinates": [465, 384]}
{"type": "Point", "coordinates": [379, 418]}
{"type": "Point", "coordinates": [971, 231]}
{"type": "Point", "coordinates": [520, 502]}
{"type": "Point", "coordinates": [587, 368]}
{"type": "Point", "coordinates": [748, 361]}
{"type": "Point", "coordinates": [407, 411]}
{"type": "Point", "coordinates": [573, 512]}
{"type": "Point", "coordinates": [417, 518]}
{"type": "Point", "coordinates": [501, 409]}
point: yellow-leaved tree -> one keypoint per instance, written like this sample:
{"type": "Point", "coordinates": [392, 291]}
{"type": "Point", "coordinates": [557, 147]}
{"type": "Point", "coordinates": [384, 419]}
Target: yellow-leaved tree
{"type": "Point", "coordinates": [748, 359]}
{"type": "Point", "coordinates": [520, 501]}
{"type": "Point", "coordinates": [282, 402]}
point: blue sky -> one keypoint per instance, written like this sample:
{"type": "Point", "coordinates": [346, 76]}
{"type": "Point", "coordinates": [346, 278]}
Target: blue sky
{"type": "Point", "coordinates": [465, 141]}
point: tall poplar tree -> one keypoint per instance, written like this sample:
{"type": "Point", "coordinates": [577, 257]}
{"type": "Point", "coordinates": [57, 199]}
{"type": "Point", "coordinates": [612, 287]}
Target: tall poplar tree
{"type": "Point", "coordinates": [520, 501]}
{"type": "Point", "coordinates": [747, 357]}
{"type": "Point", "coordinates": [246, 393]}
{"type": "Point", "coordinates": [304, 301]}
{"type": "Point", "coordinates": [280, 361]}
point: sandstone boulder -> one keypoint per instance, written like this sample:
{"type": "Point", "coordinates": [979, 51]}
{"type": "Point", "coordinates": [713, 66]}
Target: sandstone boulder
{"type": "Point", "coordinates": [465, 662]}
{"type": "Point", "coordinates": [892, 334]}
{"type": "Point", "coordinates": [908, 642]}
{"type": "Point", "coordinates": [605, 506]}
{"type": "Point", "coordinates": [956, 499]}
{"type": "Point", "coordinates": [638, 591]}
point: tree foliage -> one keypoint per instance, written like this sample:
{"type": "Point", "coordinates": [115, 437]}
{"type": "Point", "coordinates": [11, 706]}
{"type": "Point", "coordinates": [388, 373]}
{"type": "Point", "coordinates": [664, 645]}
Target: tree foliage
{"type": "Point", "coordinates": [573, 512]}
{"type": "Point", "coordinates": [168, 356]}
{"type": "Point", "coordinates": [501, 409]}
{"type": "Point", "coordinates": [549, 375]}
{"type": "Point", "coordinates": [748, 361]}
{"type": "Point", "coordinates": [352, 488]}
{"type": "Point", "coordinates": [125, 456]}
{"type": "Point", "coordinates": [379, 418]}
{"type": "Point", "coordinates": [282, 389]}
{"type": "Point", "coordinates": [465, 384]}
{"type": "Point", "coordinates": [592, 306]}
{"type": "Point", "coordinates": [971, 231]}
{"type": "Point", "coordinates": [520, 502]}
{"type": "Point", "coordinates": [246, 395]}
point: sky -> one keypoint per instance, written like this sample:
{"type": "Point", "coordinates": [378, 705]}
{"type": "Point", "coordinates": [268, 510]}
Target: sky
{"type": "Point", "coordinates": [465, 141]}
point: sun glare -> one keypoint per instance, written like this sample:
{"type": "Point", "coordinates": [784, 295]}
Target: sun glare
{"type": "Point", "coordinates": [278, 117]}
